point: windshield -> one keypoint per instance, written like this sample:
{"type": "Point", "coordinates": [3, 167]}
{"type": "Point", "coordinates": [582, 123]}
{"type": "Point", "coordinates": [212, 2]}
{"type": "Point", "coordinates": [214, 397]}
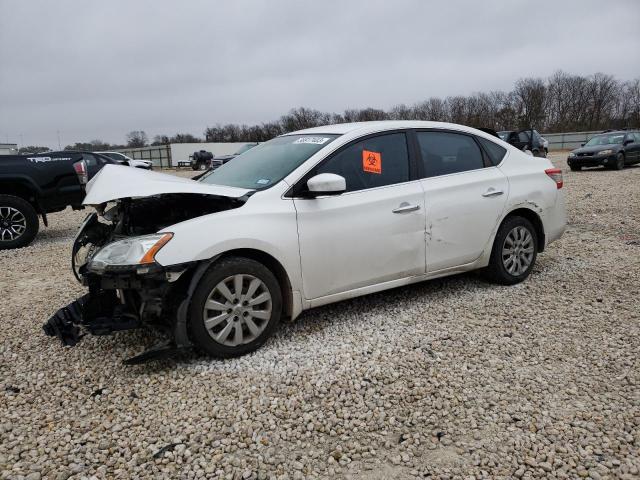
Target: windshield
{"type": "Point", "coordinates": [504, 135]}
{"type": "Point", "coordinates": [605, 140]}
{"type": "Point", "coordinates": [244, 148]}
{"type": "Point", "coordinates": [268, 163]}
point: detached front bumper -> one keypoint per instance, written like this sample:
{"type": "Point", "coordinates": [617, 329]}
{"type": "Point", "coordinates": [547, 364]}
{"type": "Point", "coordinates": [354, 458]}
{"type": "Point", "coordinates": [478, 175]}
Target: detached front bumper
{"type": "Point", "coordinates": [126, 301]}
{"type": "Point", "coordinates": [98, 314]}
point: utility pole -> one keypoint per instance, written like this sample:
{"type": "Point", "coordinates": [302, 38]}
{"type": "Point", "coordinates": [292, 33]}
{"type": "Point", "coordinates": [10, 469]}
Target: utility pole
{"type": "Point", "coordinates": [59, 146]}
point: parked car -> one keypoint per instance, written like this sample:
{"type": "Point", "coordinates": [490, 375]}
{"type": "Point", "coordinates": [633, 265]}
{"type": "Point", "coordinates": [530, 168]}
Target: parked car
{"type": "Point", "coordinates": [222, 159]}
{"type": "Point", "coordinates": [201, 160]}
{"type": "Point", "coordinates": [613, 149]}
{"type": "Point", "coordinates": [38, 184]}
{"type": "Point", "coordinates": [306, 219]}
{"type": "Point", "coordinates": [125, 160]}
{"type": "Point", "coordinates": [521, 139]}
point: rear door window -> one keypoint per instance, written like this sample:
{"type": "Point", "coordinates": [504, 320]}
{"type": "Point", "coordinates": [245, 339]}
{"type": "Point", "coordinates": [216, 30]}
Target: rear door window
{"type": "Point", "coordinates": [444, 153]}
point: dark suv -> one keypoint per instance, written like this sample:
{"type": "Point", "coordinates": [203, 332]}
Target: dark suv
{"type": "Point", "coordinates": [613, 149]}
{"type": "Point", "coordinates": [521, 139]}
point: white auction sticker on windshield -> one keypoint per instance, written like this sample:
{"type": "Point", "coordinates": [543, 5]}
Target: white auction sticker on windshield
{"type": "Point", "coordinates": [315, 140]}
{"type": "Point", "coordinates": [263, 181]}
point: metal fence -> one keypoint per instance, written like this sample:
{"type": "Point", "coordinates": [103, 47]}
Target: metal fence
{"type": "Point", "coordinates": [159, 155]}
{"type": "Point", "coordinates": [569, 140]}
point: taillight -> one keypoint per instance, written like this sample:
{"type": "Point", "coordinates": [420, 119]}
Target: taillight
{"type": "Point", "coordinates": [555, 174]}
{"type": "Point", "coordinates": [81, 170]}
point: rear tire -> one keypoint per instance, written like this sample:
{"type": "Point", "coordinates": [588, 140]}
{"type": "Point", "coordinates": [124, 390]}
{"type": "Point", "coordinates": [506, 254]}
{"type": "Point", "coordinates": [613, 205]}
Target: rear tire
{"type": "Point", "coordinates": [19, 223]}
{"type": "Point", "coordinates": [619, 165]}
{"type": "Point", "coordinates": [235, 308]}
{"type": "Point", "coordinates": [514, 251]}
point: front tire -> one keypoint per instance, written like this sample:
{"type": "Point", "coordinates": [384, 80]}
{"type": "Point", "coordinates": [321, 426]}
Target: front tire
{"type": "Point", "coordinates": [18, 222]}
{"type": "Point", "coordinates": [235, 308]}
{"type": "Point", "coordinates": [575, 168]}
{"type": "Point", "coordinates": [514, 251]}
{"type": "Point", "coordinates": [619, 165]}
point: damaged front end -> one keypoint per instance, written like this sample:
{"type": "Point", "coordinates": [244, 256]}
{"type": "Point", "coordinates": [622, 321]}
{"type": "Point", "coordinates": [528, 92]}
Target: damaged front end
{"type": "Point", "coordinates": [113, 256]}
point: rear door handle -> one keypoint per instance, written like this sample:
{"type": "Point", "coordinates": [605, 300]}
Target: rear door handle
{"type": "Point", "coordinates": [492, 193]}
{"type": "Point", "coordinates": [406, 207]}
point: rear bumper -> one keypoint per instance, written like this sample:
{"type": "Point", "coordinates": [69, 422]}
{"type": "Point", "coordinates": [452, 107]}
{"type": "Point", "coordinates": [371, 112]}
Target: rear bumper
{"type": "Point", "coordinates": [555, 220]}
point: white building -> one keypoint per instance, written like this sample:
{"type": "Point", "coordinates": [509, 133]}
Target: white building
{"type": "Point", "coordinates": [8, 148]}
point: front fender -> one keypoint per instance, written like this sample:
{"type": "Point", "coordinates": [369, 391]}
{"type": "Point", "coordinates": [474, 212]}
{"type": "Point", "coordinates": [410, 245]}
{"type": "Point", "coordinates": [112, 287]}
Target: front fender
{"type": "Point", "coordinates": [271, 230]}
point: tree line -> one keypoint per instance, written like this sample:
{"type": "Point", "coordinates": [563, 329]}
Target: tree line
{"type": "Point", "coordinates": [560, 103]}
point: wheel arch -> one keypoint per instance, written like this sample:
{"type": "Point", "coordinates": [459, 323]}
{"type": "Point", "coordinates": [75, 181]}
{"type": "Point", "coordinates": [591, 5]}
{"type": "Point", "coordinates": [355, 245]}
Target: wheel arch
{"type": "Point", "coordinates": [22, 189]}
{"type": "Point", "coordinates": [272, 264]}
{"type": "Point", "coordinates": [535, 220]}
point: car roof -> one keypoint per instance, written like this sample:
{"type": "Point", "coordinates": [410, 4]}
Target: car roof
{"type": "Point", "coordinates": [61, 152]}
{"type": "Point", "coordinates": [376, 126]}
{"type": "Point", "coordinates": [616, 132]}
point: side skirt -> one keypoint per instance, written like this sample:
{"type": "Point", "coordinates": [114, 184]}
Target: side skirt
{"type": "Point", "coordinates": [357, 292]}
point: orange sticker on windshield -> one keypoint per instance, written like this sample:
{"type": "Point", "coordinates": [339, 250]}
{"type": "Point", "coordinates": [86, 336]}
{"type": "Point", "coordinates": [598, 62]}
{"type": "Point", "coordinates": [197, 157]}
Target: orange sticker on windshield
{"type": "Point", "coordinates": [371, 162]}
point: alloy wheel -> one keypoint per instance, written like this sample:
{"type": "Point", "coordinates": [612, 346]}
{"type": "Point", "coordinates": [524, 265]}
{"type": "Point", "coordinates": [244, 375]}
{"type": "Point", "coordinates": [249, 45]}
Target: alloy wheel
{"type": "Point", "coordinates": [517, 251]}
{"type": "Point", "coordinates": [12, 224]}
{"type": "Point", "coordinates": [237, 310]}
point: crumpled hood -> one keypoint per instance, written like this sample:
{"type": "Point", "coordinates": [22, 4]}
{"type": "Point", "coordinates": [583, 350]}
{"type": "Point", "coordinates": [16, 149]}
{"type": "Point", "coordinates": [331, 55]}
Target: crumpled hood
{"type": "Point", "coordinates": [117, 181]}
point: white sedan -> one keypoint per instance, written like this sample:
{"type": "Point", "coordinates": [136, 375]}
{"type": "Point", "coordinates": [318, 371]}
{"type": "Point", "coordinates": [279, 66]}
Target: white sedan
{"type": "Point", "coordinates": [125, 160]}
{"type": "Point", "coordinates": [306, 219]}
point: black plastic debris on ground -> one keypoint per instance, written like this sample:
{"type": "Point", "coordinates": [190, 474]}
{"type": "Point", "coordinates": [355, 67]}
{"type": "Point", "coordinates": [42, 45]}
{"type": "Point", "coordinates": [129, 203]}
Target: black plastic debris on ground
{"type": "Point", "coordinates": [97, 392]}
{"type": "Point", "coordinates": [166, 448]}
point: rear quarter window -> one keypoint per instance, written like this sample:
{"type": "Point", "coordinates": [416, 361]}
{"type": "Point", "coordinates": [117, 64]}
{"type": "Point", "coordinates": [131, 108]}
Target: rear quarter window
{"type": "Point", "coordinates": [494, 151]}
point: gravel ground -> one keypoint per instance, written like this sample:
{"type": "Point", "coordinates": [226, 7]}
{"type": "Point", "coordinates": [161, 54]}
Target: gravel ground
{"type": "Point", "coordinates": [452, 378]}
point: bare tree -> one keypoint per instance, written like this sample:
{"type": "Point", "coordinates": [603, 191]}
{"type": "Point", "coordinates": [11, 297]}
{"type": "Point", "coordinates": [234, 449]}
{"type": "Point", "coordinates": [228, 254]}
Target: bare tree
{"type": "Point", "coordinates": [136, 139]}
{"type": "Point", "coordinates": [562, 102]}
{"type": "Point", "coordinates": [530, 97]}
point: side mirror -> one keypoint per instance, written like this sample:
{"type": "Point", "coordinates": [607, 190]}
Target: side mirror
{"type": "Point", "coordinates": [628, 141]}
{"type": "Point", "coordinates": [582, 144]}
{"type": "Point", "coordinates": [326, 184]}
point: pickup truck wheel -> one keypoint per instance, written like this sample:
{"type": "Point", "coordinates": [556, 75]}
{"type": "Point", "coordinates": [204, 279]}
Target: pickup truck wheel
{"type": "Point", "coordinates": [18, 222]}
{"type": "Point", "coordinates": [235, 308]}
{"type": "Point", "coordinates": [514, 251]}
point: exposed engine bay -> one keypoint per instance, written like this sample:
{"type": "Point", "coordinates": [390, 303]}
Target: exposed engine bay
{"type": "Point", "coordinates": [131, 217]}
{"type": "Point", "coordinates": [149, 295]}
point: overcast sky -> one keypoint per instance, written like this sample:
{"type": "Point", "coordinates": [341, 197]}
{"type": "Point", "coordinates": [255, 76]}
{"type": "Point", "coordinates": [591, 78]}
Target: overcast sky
{"type": "Point", "coordinates": [97, 70]}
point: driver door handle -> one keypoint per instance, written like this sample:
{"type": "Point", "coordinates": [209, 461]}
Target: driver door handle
{"type": "Point", "coordinates": [492, 193]}
{"type": "Point", "coordinates": [406, 207]}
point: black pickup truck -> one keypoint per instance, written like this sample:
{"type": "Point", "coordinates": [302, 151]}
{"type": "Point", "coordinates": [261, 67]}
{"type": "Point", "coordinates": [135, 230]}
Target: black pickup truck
{"type": "Point", "coordinates": [32, 185]}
